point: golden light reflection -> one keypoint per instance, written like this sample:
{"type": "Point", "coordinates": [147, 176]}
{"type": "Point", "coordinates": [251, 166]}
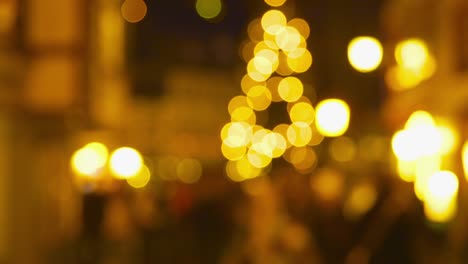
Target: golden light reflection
{"type": "Point", "coordinates": [301, 25]}
{"type": "Point", "coordinates": [328, 184]}
{"type": "Point", "coordinates": [412, 54]}
{"type": "Point", "coordinates": [449, 138]}
{"type": "Point", "coordinates": [332, 117]}
{"type": "Point", "coordinates": [361, 199]}
{"type": "Point", "coordinates": [425, 167]}
{"type": "Point", "coordinates": [465, 158]}
{"type": "Point", "coordinates": [125, 162]}
{"type": "Point", "coordinates": [300, 63]}
{"type": "Point", "coordinates": [90, 160]}
{"type": "Point", "coordinates": [259, 98]}
{"type": "Point", "coordinates": [440, 204]}
{"type": "Point", "coordinates": [141, 179]}
{"type": "Point", "coordinates": [233, 153]}
{"type": "Point", "coordinates": [255, 30]}
{"type": "Point", "coordinates": [304, 159]}
{"type": "Point", "coordinates": [247, 83]}
{"type": "Point", "coordinates": [342, 149]}
{"type": "Point", "coordinates": [244, 114]}
{"type": "Point", "coordinates": [275, 3]}
{"type": "Point", "coordinates": [236, 102]}
{"type": "Point", "coordinates": [133, 10]}
{"type": "Point", "coordinates": [208, 9]}
{"type": "Point", "coordinates": [273, 22]}
{"type": "Point", "coordinates": [189, 170]}
{"type": "Point", "coordinates": [299, 134]}
{"type": "Point", "coordinates": [406, 170]}
{"type": "Point", "coordinates": [302, 112]}
{"type": "Point", "coordinates": [272, 85]}
{"type": "Point", "coordinates": [365, 54]}
{"type": "Point", "coordinates": [288, 39]}
{"type": "Point", "coordinates": [290, 89]}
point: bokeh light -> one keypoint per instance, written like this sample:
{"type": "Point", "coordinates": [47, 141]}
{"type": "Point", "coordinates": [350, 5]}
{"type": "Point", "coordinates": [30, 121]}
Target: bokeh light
{"type": "Point", "coordinates": [290, 89]}
{"type": "Point", "coordinates": [208, 9]}
{"type": "Point", "coordinates": [465, 158]}
{"type": "Point", "coordinates": [275, 3]}
{"type": "Point", "coordinates": [365, 53]}
{"type": "Point", "coordinates": [299, 134]}
{"type": "Point", "coordinates": [302, 112]}
{"type": "Point", "coordinates": [125, 162]}
{"type": "Point", "coordinates": [412, 54]}
{"type": "Point", "coordinates": [141, 179]}
{"type": "Point", "coordinates": [273, 22]}
{"type": "Point", "coordinates": [440, 204]}
{"type": "Point", "coordinates": [189, 170]}
{"type": "Point", "coordinates": [133, 10]}
{"type": "Point", "coordinates": [332, 117]}
{"type": "Point", "coordinates": [90, 160]}
{"type": "Point", "coordinates": [342, 149]}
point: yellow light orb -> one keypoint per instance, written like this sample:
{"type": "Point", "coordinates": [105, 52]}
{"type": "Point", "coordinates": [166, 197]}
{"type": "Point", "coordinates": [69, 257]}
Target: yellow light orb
{"type": "Point", "coordinates": [125, 162]}
{"type": "Point", "coordinates": [247, 83]}
{"type": "Point", "coordinates": [273, 22]}
{"type": "Point", "coordinates": [449, 138]}
{"type": "Point", "coordinates": [270, 41]}
{"type": "Point", "coordinates": [244, 114]}
{"type": "Point", "coordinates": [301, 25]}
{"type": "Point", "coordinates": [299, 134]}
{"type": "Point", "coordinates": [233, 153]}
{"type": "Point", "coordinates": [277, 144]}
{"type": "Point", "coordinates": [290, 89]}
{"type": "Point", "coordinates": [427, 139]}
{"type": "Point", "coordinates": [272, 85]}
{"type": "Point", "coordinates": [406, 170]}
{"type": "Point", "coordinates": [256, 158]}
{"type": "Point", "coordinates": [133, 10]}
{"type": "Point", "coordinates": [302, 112]}
{"type": "Point", "coordinates": [342, 149]}
{"type": "Point", "coordinates": [412, 54]}
{"type": "Point", "coordinates": [404, 146]}
{"type": "Point", "coordinates": [288, 39]}
{"type": "Point", "coordinates": [360, 200]}
{"type": "Point", "coordinates": [304, 159]}
{"type": "Point", "coordinates": [236, 102]}
{"type": "Point", "coordinates": [259, 98]}
{"type": "Point", "coordinates": [465, 158]}
{"type": "Point", "coordinates": [236, 134]}
{"type": "Point", "coordinates": [246, 170]}
{"type": "Point", "coordinates": [283, 68]}
{"type": "Point", "coordinates": [440, 203]}
{"type": "Point", "coordinates": [90, 160]}
{"type": "Point", "coordinates": [255, 30]}
{"type": "Point", "coordinates": [189, 171]}
{"type": "Point", "coordinates": [255, 73]}
{"type": "Point", "coordinates": [275, 3]}
{"type": "Point", "coordinates": [365, 54]}
{"type": "Point", "coordinates": [141, 179]}
{"type": "Point", "coordinates": [332, 117]}
{"type": "Point", "coordinates": [301, 63]}
{"type": "Point", "coordinates": [208, 9]}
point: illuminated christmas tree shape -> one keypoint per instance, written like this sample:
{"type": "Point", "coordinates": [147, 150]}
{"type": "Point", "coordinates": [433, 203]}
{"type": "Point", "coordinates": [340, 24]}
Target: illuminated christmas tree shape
{"type": "Point", "coordinates": [276, 50]}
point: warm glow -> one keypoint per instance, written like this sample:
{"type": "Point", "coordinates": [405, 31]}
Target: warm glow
{"type": "Point", "coordinates": [236, 102]}
{"type": "Point", "coordinates": [288, 39]}
{"type": "Point", "coordinates": [273, 22]}
{"type": "Point", "coordinates": [299, 134]}
{"type": "Point", "coordinates": [259, 155]}
{"type": "Point", "coordinates": [141, 179]}
{"type": "Point", "coordinates": [302, 112]}
{"type": "Point", "coordinates": [236, 134]}
{"type": "Point", "coordinates": [90, 160]}
{"type": "Point", "coordinates": [465, 158]}
{"type": "Point", "coordinates": [133, 10]}
{"type": "Point", "coordinates": [125, 162]}
{"type": "Point", "coordinates": [342, 149]}
{"type": "Point", "coordinates": [425, 135]}
{"type": "Point", "coordinates": [255, 73]}
{"type": "Point", "coordinates": [404, 147]}
{"type": "Point", "coordinates": [247, 83]}
{"type": "Point", "coordinates": [272, 85]}
{"type": "Point", "coordinates": [365, 53]}
{"type": "Point", "coordinates": [300, 63]}
{"type": "Point", "coordinates": [233, 153]}
{"type": "Point", "coordinates": [189, 170]}
{"type": "Point", "coordinates": [275, 3]}
{"type": "Point", "coordinates": [301, 25]}
{"type": "Point", "coordinates": [266, 61]}
{"type": "Point", "coordinates": [259, 98]}
{"type": "Point", "coordinates": [332, 117]}
{"type": "Point", "coordinates": [440, 204]}
{"type": "Point", "coordinates": [361, 199]}
{"type": "Point", "coordinates": [290, 89]}
{"type": "Point", "coordinates": [208, 9]}
{"type": "Point", "coordinates": [412, 54]}
{"type": "Point", "coordinates": [406, 170]}
{"type": "Point", "coordinates": [425, 167]}
{"type": "Point", "coordinates": [255, 30]}
{"type": "Point", "coordinates": [245, 169]}
{"type": "Point", "coordinates": [303, 159]}
{"type": "Point", "coordinates": [244, 114]}
{"type": "Point", "coordinates": [327, 184]}
{"type": "Point", "coordinates": [449, 138]}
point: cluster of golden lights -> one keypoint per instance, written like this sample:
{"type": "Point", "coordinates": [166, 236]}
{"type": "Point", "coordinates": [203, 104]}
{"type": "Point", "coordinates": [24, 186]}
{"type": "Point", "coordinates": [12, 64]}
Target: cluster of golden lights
{"type": "Point", "coordinates": [277, 50]}
{"type": "Point", "coordinates": [421, 149]}
{"type": "Point", "coordinates": [93, 164]}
